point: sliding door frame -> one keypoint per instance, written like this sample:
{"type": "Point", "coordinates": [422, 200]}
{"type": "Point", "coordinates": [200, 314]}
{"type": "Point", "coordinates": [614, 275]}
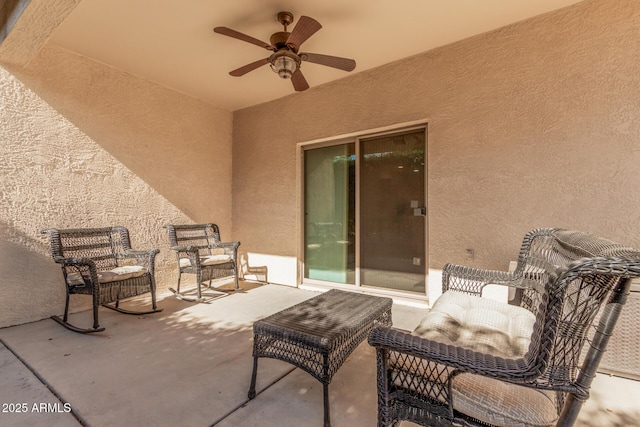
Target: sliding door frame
{"type": "Point", "coordinates": [356, 138]}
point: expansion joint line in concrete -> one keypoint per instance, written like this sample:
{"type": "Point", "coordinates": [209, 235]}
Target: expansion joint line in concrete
{"type": "Point", "coordinates": [243, 404]}
{"type": "Point", "coordinates": [45, 383]}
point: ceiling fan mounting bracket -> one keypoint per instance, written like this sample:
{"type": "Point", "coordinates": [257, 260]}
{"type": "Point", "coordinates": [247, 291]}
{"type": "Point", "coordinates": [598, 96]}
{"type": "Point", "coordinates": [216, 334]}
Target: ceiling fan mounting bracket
{"type": "Point", "coordinates": [285, 18]}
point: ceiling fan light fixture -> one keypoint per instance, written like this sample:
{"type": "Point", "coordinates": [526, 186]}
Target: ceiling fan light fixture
{"type": "Point", "coordinates": [284, 65]}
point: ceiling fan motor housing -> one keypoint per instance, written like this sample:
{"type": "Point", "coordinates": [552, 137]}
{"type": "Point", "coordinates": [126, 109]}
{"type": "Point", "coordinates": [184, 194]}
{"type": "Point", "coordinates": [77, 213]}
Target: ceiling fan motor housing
{"type": "Point", "coordinates": [279, 39]}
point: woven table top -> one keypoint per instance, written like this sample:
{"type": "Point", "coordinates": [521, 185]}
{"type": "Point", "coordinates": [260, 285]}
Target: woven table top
{"type": "Point", "coordinates": [326, 318]}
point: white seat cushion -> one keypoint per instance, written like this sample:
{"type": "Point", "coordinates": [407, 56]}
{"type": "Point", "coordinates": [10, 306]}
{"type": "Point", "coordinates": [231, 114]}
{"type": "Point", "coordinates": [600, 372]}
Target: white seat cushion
{"type": "Point", "coordinates": [114, 275]}
{"type": "Point", "coordinates": [207, 260]}
{"type": "Point", "coordinates": [480, 324]}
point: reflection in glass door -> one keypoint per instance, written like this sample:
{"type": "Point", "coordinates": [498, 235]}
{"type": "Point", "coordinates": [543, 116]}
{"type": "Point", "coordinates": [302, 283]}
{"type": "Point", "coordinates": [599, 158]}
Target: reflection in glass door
{"type": "Point", "coordinates": [364, 212]}
{"type": "Point", "coordinates": [392, 212]}
{"type": "Point", "coordinates": [329, 214]}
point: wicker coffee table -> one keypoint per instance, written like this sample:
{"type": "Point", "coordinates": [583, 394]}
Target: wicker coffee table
{"type": "Point", "coordinates": [319, 334]}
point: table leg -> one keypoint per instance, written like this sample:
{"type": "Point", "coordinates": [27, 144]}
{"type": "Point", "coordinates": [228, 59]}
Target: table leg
{"type": "Point", "coordinates": [252, 387]}
{"type": "Point", "coordinates": [327, 419]}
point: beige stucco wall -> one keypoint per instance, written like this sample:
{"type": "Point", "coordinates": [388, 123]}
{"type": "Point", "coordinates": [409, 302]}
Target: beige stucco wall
{"type": "Point", "coordinates": [86, 145]}
{"type": "Point", "coordinates": [534, 125]}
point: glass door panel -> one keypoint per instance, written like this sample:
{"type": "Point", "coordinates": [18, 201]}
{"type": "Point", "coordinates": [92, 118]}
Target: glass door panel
{"type": "Point", "coordinates": [329, 213]}
{"type": "Point", "coordinates": [392, 211]}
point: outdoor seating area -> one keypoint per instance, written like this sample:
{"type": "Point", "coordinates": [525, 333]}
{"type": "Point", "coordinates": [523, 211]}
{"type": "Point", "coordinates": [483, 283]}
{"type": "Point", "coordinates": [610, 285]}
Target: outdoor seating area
{"type": "Point", "coordinates": [191, 365]}
{"type": "Point", "coordinates": [157, 369]}
{"type": "Point", "coordinates": [203, 352]}
{"type": "Point", "coordinates": [100, 262]}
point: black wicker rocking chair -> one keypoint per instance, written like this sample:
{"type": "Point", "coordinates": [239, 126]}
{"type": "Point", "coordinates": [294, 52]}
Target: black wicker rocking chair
{"type": "Point", "coordinates": [475, 361]}
{"type": "Point", "coordinates": [100, 262]}
{"type": "Point", "coordinates": [199, 251]}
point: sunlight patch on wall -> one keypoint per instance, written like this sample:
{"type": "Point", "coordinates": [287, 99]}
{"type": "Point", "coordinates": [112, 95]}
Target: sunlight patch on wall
{"type": "Point", "coordinates": [281, 270]}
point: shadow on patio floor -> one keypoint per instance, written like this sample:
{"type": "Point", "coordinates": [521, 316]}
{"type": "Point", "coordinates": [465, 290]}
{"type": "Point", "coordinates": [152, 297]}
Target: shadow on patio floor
{"type": "Point", "coordinates": [190, 365]}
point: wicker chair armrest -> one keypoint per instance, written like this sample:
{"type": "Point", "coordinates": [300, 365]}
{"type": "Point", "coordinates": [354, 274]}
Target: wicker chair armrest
{"type": "Point", "coordinates": [230, 248]}
{"type": "Point", "coordinates": [145, 258]}
{"type": "Point", "coordinates": [78, 261]}
{"type": "Point", "coordinates": [472, 280]}
{"type": "Point", "coordinates": [230, 245]}
{"type": "Point", "coordinates": [142, 253]}
{"type": "Point", "coordinates": [184, 249]}
{"type": "Point", "coordinates": [463, 359]}
{"type": "Point", "coordinates": [190, 252]}
{"type": "Point", "coordinates": [80, 265]}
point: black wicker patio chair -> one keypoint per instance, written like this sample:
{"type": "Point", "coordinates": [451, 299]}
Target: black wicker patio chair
{"type": "Point", "coordinates": [199, 251]}
{"type": "Point", "coordinates": [100, 262]}
{"type": "Point", "coordinates": [475, 361]}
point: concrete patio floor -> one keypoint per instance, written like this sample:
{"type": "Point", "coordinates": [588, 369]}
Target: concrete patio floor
{"type": "Point", "coordinates": [190, 365]}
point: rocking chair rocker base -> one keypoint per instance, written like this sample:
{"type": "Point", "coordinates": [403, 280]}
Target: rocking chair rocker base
{"type": "Point", "coordinates": [75, 328]}
{"type": "Point", "coordinates": [183, 297]}
{"type": "Point", "coordinates": [122, 310]}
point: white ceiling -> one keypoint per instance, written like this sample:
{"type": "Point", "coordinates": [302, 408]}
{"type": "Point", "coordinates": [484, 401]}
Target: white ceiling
{"type": "Point", "coordinates": [172, 43]}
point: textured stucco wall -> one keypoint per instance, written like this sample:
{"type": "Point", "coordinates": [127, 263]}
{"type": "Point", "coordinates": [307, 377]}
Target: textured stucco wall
{"type": "Point", "coordinates": [86, 145]}
{"type": "Point", "coordinates": [532, 125]}
{"type": "Point", "coordinates": [33, 28]}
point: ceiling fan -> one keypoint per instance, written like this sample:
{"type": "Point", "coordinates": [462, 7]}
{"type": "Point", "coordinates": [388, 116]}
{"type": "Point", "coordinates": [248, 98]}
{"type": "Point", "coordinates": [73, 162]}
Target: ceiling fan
{"type": "Point", "coordinates": [286, 58]}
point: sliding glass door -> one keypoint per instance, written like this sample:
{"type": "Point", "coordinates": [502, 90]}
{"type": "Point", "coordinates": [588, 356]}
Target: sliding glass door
{"type": "Point", "coordinates": [392, 210]}
{"type": "Point", "coordinates": [329, 214]}
{"type": "Point", "coordinates": [364, 212]}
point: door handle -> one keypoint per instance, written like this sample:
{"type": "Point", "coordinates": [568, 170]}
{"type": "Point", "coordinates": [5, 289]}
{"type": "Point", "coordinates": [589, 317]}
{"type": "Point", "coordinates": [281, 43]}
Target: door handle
{"type": "Point", "coordinates": [422, 211]}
